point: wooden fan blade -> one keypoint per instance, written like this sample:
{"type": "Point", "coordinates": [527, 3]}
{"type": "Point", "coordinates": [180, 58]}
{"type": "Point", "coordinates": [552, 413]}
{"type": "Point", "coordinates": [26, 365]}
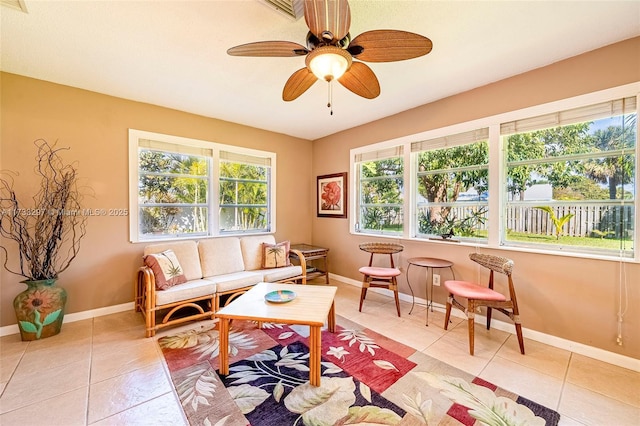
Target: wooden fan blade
{"type": "Point", "coordinates": [328, 16]}
{"type": "Point", "coordinates": [297, 84]}
{"type": "Point", "coordinates": [361, 81]}
{"type": "Point", "coordinates": [269, 48]}
{"type": "Point", "coordinates": [389, 46]}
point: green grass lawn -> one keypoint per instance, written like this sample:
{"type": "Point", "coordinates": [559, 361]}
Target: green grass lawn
{"type": "Point", "coordinates": [601, 243]}
{"type": "Point", "coordinates": [589, 242]}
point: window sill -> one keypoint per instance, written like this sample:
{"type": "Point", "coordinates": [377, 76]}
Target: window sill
{"type": "Point", "coordinates": [472, 244]}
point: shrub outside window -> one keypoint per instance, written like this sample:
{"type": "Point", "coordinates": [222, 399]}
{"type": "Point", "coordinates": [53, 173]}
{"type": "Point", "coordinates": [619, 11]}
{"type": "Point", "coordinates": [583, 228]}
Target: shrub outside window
{"type": "Point", "coordinates": [452, 175]}
{"type": "Point", "coordinates": [571, 186]}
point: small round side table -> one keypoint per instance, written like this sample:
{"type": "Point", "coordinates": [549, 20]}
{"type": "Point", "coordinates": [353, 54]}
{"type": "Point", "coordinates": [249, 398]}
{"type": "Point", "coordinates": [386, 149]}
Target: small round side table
{"type": "Point", "coordinates": [430, 263]}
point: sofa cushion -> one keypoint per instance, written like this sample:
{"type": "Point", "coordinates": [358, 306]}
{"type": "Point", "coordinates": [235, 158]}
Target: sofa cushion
{"type": "Point", "coordinates": [278, 274]}
{"type": "Point", "coordinates": [166, 269]}
{"type": "Point", "coordinates": [275, 255]}
{"type": "Point", "coordinates": [185, 251]}
{"type": "Point", "coordinates": [188, 290]}
{"type": "Point", "coordinates": [236, 280]}
{"type": "Point", "coordinates": [220, 256]}
{"type": "Point", "coordinates": [252, 250]}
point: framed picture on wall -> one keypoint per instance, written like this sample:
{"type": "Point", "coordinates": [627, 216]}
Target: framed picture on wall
{"type": "Point", "coordinates": [332, 195]}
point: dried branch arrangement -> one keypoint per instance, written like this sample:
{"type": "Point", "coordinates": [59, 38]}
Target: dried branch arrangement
{"type": "Point", "coordinates": [49, 231]}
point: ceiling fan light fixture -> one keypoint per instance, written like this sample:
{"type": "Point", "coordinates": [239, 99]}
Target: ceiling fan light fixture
{"type": "Point", "coordinates": [328, 62]}
{"type": "Point", "coordinates": [330, 50]}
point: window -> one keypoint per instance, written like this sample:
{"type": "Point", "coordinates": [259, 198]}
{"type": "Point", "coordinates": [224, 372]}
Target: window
{"type": "Point", "coordinates": [557, 178]}
{"type": "Point", "coordinates": [380, 191]}
{"type": "Point", "coordinates": [452, 174]}
{"type": "Point", "coordinates": [173, 188]}
{"type": "Point", "coordinates": [244, 192]}
{"type": "Point", "coordinates": [570, 179]}
{"type": "Point", "coordinates": [182, 188]}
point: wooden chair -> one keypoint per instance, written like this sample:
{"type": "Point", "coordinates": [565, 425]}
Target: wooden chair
{"type": "Point", "coordinates": [478, 295]}
{"type": "Point", "coordinates": [380, 277]}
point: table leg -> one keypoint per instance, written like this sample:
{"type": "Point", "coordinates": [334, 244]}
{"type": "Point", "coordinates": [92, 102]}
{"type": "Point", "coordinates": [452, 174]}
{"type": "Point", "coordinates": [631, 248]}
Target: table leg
{"type": "Point", "coordinates": [429, 289]}
{"type": "Point", "coordinates": [315, 348]}
{"type": "Point", "coordinates": [224, 346]}
{"type": "Point", "coordinates": [332, 318]}
{"type": "Point", "coordinates": [326, 269]}
{"type": "Point", "coordinates": [413, 297]}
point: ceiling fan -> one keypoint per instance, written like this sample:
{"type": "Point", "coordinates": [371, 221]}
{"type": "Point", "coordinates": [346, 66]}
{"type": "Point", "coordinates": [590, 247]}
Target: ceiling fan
{"type": "Point", "coordinates": [330, 52]}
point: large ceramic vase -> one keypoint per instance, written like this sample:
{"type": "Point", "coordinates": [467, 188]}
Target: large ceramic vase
{"type": "Point", "coordinates": [40, 309]}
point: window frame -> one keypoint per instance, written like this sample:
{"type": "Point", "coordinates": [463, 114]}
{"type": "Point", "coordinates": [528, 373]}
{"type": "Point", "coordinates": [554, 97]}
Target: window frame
{"type": "Point", "coordinates": [248, 160]}
{"type": "Point", "coordinates": [497, 172]}
{"type": "Point", "coordinates": [136, 136]}
{"type": "Point", "coordinates": [449, 141]}
{"type": "Point", "coordinates": [384, 152]}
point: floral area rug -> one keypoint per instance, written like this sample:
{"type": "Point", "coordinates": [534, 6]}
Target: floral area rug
{"type": "Point", "coordinates": [367, 378]}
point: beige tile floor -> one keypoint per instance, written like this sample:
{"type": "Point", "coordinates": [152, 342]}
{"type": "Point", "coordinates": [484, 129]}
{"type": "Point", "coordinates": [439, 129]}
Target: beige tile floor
{"type": "Point", "coordinates": [103, 371]}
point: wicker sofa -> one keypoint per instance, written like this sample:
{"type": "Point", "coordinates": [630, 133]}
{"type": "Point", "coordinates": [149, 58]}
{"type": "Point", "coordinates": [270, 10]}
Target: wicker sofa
{"type": "Point", "coordinates": [212, 268]}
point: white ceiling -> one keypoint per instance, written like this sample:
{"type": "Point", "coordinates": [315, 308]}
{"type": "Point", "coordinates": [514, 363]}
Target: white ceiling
{"type": "Point", "coordinates": [173, 53]}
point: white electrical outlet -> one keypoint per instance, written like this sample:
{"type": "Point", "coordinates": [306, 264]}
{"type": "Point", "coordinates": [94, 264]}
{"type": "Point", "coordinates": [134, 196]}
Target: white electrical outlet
{"type": "Point", "coordinates": [436, 279]}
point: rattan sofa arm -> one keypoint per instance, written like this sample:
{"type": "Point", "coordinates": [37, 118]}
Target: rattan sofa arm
{"type": "Point", "coordinates": [147, 285]}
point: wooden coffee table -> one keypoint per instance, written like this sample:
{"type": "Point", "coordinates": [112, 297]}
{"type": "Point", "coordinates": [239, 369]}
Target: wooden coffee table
{"type": "Point", "coordinates": [311, 306]}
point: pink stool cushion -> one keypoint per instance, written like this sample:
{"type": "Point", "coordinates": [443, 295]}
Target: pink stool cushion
{"type": "Point", "coordinates": [473, 291]}
{"type": "Point", "coordinates": [374, 271]}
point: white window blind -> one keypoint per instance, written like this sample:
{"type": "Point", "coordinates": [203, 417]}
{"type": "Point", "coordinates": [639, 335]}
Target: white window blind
{"type": "Point", "coordinates": [451, 140]}
{"type": "Point", "coordinates": [571, 116]}
{"type": "Point", "coordinates": [173, 147]}
{"type": "Point", "coordinates": [236, 157]}
{"type": "Point", "coordinates": [380, 154]}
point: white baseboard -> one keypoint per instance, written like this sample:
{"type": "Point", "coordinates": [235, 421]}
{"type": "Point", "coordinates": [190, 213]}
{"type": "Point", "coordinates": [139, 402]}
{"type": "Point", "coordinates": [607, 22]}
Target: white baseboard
{"type": "Point", "coordinates": [78, 316]}
{"type": "Point", "coordinates": [558, 342]}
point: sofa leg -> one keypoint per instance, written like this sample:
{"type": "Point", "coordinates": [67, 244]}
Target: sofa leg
{"type": "Point", "coordinates": [150, 322]}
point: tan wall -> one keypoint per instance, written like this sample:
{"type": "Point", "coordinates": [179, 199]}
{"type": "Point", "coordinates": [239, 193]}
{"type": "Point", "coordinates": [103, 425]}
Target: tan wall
{"type": "Point", "coordinates": [95, 127]}
{"type": "Point", "coordinates": [571, 298]}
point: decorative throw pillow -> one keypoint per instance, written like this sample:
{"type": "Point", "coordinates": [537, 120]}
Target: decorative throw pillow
{"type": "Point", "coordinates": [275, 255]}
{"type": "Point", "coordinates": [166, 268]}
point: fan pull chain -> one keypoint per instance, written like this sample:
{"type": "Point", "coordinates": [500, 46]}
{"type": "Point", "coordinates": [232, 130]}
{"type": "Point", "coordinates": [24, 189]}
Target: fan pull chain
{"type": "Point", "coordinates": [330, 101]}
